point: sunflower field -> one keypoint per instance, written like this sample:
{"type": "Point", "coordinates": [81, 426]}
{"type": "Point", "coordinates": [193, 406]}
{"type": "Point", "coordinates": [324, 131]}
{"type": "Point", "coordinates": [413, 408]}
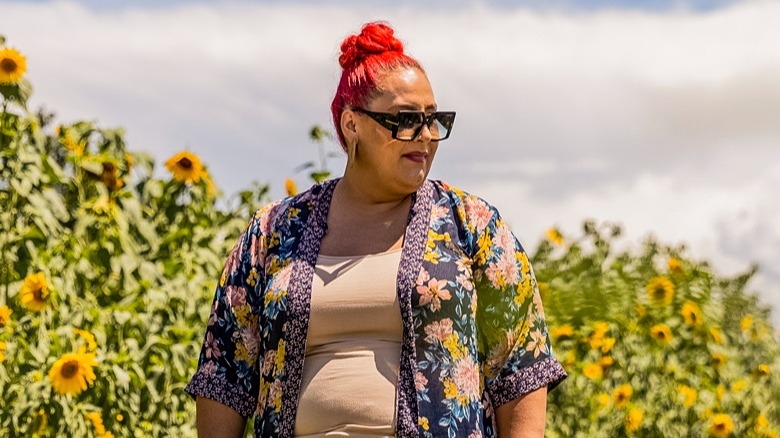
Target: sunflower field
{"type": "Point", "coordinates": [107, 271]}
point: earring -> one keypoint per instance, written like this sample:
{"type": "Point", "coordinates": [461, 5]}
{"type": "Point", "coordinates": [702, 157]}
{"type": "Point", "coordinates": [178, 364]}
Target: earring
{"type": "Point", "coordinates": [351, 152]}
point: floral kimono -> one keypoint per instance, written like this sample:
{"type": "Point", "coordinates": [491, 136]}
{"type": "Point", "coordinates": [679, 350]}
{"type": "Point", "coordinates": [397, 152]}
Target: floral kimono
{"type": "Point", "coordinates": [474, 332]}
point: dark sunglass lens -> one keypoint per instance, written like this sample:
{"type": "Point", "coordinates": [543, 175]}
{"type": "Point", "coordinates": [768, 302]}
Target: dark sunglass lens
{"type": "Point", "coordinates": [441, 126]}
{"type": "Point", "coordinates": [408, 124]}
{"type": "Point", "coordinates": [409, 119]}
{"type": "Point", "coordinates": [446, 119]}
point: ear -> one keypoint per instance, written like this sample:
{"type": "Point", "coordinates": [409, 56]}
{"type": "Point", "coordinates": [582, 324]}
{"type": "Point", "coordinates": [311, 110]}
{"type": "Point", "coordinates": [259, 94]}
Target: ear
{"type": "Point", "coordinates": [349, 125]}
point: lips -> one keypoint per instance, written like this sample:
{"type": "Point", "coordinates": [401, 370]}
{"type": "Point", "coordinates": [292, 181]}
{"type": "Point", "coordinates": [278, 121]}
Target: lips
{"type": "Point", "coordinates": [418, 157]}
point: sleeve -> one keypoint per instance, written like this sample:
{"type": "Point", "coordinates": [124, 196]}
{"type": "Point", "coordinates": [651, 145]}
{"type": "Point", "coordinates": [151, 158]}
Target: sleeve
{"type": "Point", "coordinates": [228, 370]}
{"type": "Point", "coordinates": [514, 344]}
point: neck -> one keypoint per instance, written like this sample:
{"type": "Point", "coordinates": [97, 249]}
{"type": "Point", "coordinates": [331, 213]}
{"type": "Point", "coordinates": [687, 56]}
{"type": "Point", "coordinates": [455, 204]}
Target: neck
{"type": "Point", "coordinates": [368, 194]}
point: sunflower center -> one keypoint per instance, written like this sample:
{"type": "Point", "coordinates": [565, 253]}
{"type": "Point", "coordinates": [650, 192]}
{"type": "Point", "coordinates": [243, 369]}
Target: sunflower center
{"type": "Point", "coordinates": [659, 292]}
{"type": "Point", "coordinates": [70, 369]}
{"type": "Point", "coordinates": [39, 294]}
{"type": "Point", "coordinates": [185, 163]}
{"type": "Point", "coordinates": [8, 65]}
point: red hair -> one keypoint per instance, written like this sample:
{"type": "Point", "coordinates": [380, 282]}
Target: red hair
{"type": "Point", "coordinates": [365, 58]}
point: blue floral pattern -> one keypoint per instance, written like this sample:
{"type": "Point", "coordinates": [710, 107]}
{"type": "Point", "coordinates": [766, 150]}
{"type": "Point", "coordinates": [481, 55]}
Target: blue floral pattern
{"type": "Point", "coordinates": [474, 338]}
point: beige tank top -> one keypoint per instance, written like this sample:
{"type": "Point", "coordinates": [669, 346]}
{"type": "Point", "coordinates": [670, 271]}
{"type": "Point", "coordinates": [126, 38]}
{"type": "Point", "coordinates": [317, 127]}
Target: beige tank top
{"type": "Point", "coordinates": [353, 348]}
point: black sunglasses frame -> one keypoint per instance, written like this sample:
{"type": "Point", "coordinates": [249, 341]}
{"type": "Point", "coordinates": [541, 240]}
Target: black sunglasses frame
{"type": "Point", "coordinates": [391, 121]}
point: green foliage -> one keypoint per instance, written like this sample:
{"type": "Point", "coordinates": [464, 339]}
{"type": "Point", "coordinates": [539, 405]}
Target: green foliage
{"type": "Point", "coordinates": [607, 319]}
{"type": "Point", "coordinates": [319, 135]}
{"type": "Point", "coordinates": [127, 256]}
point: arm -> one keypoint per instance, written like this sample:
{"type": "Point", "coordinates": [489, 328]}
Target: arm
{"type": "Point", "coordinates": [225, 384]}
{"type": "Point", "coordinates": [215, 420]}
{"type": "Point", "coordinates": [523, 417]}
{"type": "Point", "coordinates": [513, 340]}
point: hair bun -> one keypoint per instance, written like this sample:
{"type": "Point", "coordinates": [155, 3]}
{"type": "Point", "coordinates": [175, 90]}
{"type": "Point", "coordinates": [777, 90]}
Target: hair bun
{"type": "Point", "coordinates": [374, 38]}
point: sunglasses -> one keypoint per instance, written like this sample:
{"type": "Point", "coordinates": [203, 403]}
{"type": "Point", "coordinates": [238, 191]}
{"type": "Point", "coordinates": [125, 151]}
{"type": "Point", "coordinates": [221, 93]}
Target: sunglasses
{"type": "Point", "coordinates": [407, 125]}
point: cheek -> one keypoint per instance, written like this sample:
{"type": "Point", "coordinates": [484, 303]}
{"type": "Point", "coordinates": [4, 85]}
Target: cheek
{"type": "Point", "coordinates": [377, 153]}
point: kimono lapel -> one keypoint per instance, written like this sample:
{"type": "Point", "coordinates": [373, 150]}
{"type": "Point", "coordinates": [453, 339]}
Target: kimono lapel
{"type": "Point", "coordinates": [296, 326]}
{"type": "Point", "coordinates": [408, 270]}
{"type": "Point", "coordinates": [299, 304]}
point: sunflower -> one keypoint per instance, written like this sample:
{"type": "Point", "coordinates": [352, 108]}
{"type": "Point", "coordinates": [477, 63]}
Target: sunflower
{"type": "Point", "coordinates": [716, 335]}
{"type": "Point", "coordinates": [593, 371]}
{"type": "Point", "coordinates": [596, 339]}
{"type": "Point", "coordinates": [689, 395]}
{"type": "Point", "coordinates": [88, 338]}
{"type": "Point", "coordinates": [721, 425]}
{"type": "Point", "coordinates": [763, 370]}
{"type": "Point", "coordinates": [563, 332]}
{"type": "Point", "coordinates": [603, 399]}
{"type": "Point", "coordinates": [746, 323]}
{"type": "Point", "coordinates": [3, 346]}
{"type": "Point", "coordinates": [12, 66]}
{"type": "Point", "coordinates": [110, 176]}
{"type": "Point", "coordinates": [554, 236]}
{"type": "Point", "coordinates": [290, 187]}
{"type": "Point", "coordinates": [622, 394]}
{"type": "Point", "coordinates": [5, 315]}
{"type": "Point", "coordinates": [660, 289]}
{"type": "Point", "coordinates": [76, 147]}
{"type": "Point", "coordinates": [674, 265]}
{"type": "Point", "coordinates": [717, 360]}
{"type": "Point", "coordinates": [35, 292]}
{"type": "Point", "coordinates": [97, 422]}
{"type": "Point", "coordinates": [607, 345]}
{"type": "Point", "coordinates": [606, 362]}
{"type": "Point", "coordinates": [691, 313]}
{"type": "Point", "coordinates": [634, 419]}
{"type": "Point", "coordinates": [661, 333]}
{"type": "Point", "coordinates": [185, 167]}
{"type": "Point", "coordinates": [761, 422]}
{"type": "Point", "coordinates": [738, 385]}
{"type": "Point", "coordinates": [72, 373]}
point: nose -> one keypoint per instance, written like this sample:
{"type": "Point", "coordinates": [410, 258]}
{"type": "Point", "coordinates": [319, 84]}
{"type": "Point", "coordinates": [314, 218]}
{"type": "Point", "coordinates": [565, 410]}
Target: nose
{"type": "Point", "coordinates": [425, 135]}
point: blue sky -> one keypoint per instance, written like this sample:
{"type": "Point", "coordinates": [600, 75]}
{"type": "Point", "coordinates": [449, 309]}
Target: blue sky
{"type": "Point", "coordinates": [657, 115]}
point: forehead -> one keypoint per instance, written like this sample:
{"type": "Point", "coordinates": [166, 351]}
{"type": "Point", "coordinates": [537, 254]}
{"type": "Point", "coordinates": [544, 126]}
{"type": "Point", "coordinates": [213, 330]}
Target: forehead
{"type": "Point", "coordinates": [406, 88]}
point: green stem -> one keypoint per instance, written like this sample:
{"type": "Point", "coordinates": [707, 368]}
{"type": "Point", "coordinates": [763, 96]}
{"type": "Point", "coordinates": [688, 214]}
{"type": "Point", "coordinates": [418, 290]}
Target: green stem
{"type": "Point", "coordinates": [2, 124]}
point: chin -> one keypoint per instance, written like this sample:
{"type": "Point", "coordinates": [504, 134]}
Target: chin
{"type": "Point", "coordinates": [416, 180]}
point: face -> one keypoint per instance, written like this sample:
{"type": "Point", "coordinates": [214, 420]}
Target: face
{"type": "Point", "coordinates": [399, 165]}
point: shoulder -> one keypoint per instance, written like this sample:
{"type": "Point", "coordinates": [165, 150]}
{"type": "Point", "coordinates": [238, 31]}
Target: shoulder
{"type": "Point", "coordinates": [281, 212]}
{"type": "Point", "coordinates": [471, 209]}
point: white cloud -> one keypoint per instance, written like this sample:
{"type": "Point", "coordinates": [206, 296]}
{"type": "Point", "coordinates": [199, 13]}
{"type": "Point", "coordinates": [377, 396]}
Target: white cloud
{"type": "Point", "coordinates": [664, 121]}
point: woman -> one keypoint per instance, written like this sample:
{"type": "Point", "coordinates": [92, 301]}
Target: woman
{"type": "Point", "coordinates": [379, 303]}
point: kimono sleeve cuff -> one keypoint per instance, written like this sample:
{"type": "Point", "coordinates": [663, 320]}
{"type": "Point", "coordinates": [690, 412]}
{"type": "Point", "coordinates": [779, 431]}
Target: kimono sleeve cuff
{"type": "Point", "coordinates": [546, 372]}
{"type": "Point", "coordinates": [222, 391]}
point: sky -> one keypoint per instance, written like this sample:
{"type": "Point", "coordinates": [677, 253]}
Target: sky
{"type": "Point", "coordinates": [657, 115]}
